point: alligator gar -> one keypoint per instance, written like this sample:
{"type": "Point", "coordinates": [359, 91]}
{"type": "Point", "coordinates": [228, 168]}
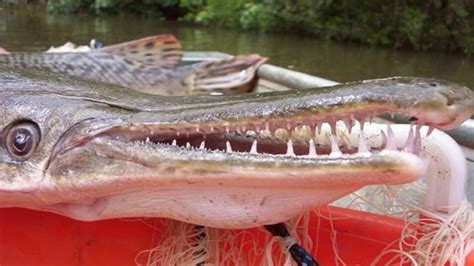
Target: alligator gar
{"type": "Point", "coordinates": [159, 51]}
{"type": "Point", "coordinates": [149, 65]}
{"type": "Point", "coordinates": [94, 151]}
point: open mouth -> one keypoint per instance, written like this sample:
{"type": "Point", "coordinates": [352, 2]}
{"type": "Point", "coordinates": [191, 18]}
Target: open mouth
{"type": "Point", "coordinates": [288, 140]}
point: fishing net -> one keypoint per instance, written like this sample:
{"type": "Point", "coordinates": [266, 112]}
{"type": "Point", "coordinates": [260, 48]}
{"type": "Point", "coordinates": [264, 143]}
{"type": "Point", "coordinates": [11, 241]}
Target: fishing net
{"type": "Point", "coordinates": [428, 238]}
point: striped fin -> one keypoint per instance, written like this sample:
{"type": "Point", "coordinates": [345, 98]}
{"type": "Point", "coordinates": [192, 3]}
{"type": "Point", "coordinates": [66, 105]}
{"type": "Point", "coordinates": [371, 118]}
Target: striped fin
{"type": "Point", "coordinates": [159, 51]}
{"type": "Point", "coordinates": [228, 76]}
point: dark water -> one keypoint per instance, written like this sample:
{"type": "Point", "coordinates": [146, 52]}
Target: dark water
{"type": "Point", "coordinates": [31, 29]}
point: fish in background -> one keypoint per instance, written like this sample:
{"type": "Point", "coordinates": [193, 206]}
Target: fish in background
{"type": "Point", "coordinates": [148, 64]}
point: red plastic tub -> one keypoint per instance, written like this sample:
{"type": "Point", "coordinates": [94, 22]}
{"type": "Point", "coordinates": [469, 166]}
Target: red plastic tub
{"type": "Point", "coordinates": [37, 238]}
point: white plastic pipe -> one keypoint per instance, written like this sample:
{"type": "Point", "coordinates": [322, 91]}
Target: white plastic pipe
{"type": "Point", "coordinates": [447, 171]}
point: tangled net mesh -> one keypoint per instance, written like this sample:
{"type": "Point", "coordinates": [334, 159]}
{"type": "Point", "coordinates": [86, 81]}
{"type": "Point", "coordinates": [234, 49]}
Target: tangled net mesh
{"type": "Point", "coordinates": [426, 239]}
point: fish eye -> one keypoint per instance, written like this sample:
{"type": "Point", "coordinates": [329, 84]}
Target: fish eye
{"type": "Point", "coordinates": [22, 139]}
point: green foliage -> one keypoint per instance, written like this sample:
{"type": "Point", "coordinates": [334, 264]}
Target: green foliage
{"type": "Point", "coordinates": [217, 12]}
{"type": "Point", "coordinates": [143, 7]}
{"type": "Point", "coordinates": [432, 24]}
{"type": "Point", "coordinates": [412, 26]}
{"type": "Point", "coordinates": [68, 6]}
{"type": "Point", "coordinates": [259, 16]}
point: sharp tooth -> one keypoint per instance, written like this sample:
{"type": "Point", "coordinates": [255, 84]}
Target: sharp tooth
{"type": "Point", "coordinates": [333, 128]}
{"type": "Point", "coordinates": [352, 117]}
{"type": "Point", "coordinates": [362, 122]}
{"type": "Point", "coordinates": [288, 126]}
{"type": "Point", "coordinates": [228, 147]}
{"type": "Point", "coordinates": [244, 128]}
{"type": "Point", "coordinates": [282, 134]}
{"type": "Point", "coordinates": [335, 152]}
{"type": "Point", "coordinates": [348, 124]}
{"type": "Point", "coordinates": [250, 133]}
{"type": "Point", "coordinates": [253, 150]}
{"type": "Point", "coordinates": [198, 129]}
{"type": "Point", "coordinates": [227, 129]}
{"type": "Point", "coordinates": [362, 146]}
{"type": "Point", "coordinates": [306, 133]}
{"type": "Point", "coordinates": [430, 130]}
{"type": "Point", "coordinates": [188, 145]}
{"type": "Point", "coordinates": [409, 144]}
{"type": "Point", "coordinates": [212, 129]}
{"type": "Point", "coordinates": [417, 142]}
{"type": "Point", "coordinates": [320, 126]}
{"type": "Point", "coordinates": [301, 133]}
{"type": "Point", "coordinates": [203, 145]}
{"type": "Point", "coordinates": [265, 133]}
{"type": "Point", "coordinates": [173, 143]}
{"type": "Point", "coordinates": [289, 150]}
{"type": "Point", "coordinates": [147, 139]}
{"type": "Point", "coordinates": [391, 141]}
{"type": "Point", "coordinates": [267, 126]}
{"type": "Point", "coordinates": [177, 133]}
{"type": "Point", "coordinates": [312, 148]}
{"type": "Point", "coordinates": [384, 138]}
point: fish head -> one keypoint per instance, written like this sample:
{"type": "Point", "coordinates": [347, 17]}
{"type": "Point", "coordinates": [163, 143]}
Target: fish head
{"type": "Point", "coordinates": [32, 125]}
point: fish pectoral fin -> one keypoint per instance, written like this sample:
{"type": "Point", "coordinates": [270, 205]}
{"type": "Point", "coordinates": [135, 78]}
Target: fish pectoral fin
{"type": "Point", "coordinates": [159, 51]}
{"type": "Point", "coordinates": [228, 76]}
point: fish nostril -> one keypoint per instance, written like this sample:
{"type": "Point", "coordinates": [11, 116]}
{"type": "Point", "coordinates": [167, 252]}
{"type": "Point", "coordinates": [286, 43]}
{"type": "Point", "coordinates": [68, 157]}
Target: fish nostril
{"type": "Point", "coordinates": [448, 97]}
